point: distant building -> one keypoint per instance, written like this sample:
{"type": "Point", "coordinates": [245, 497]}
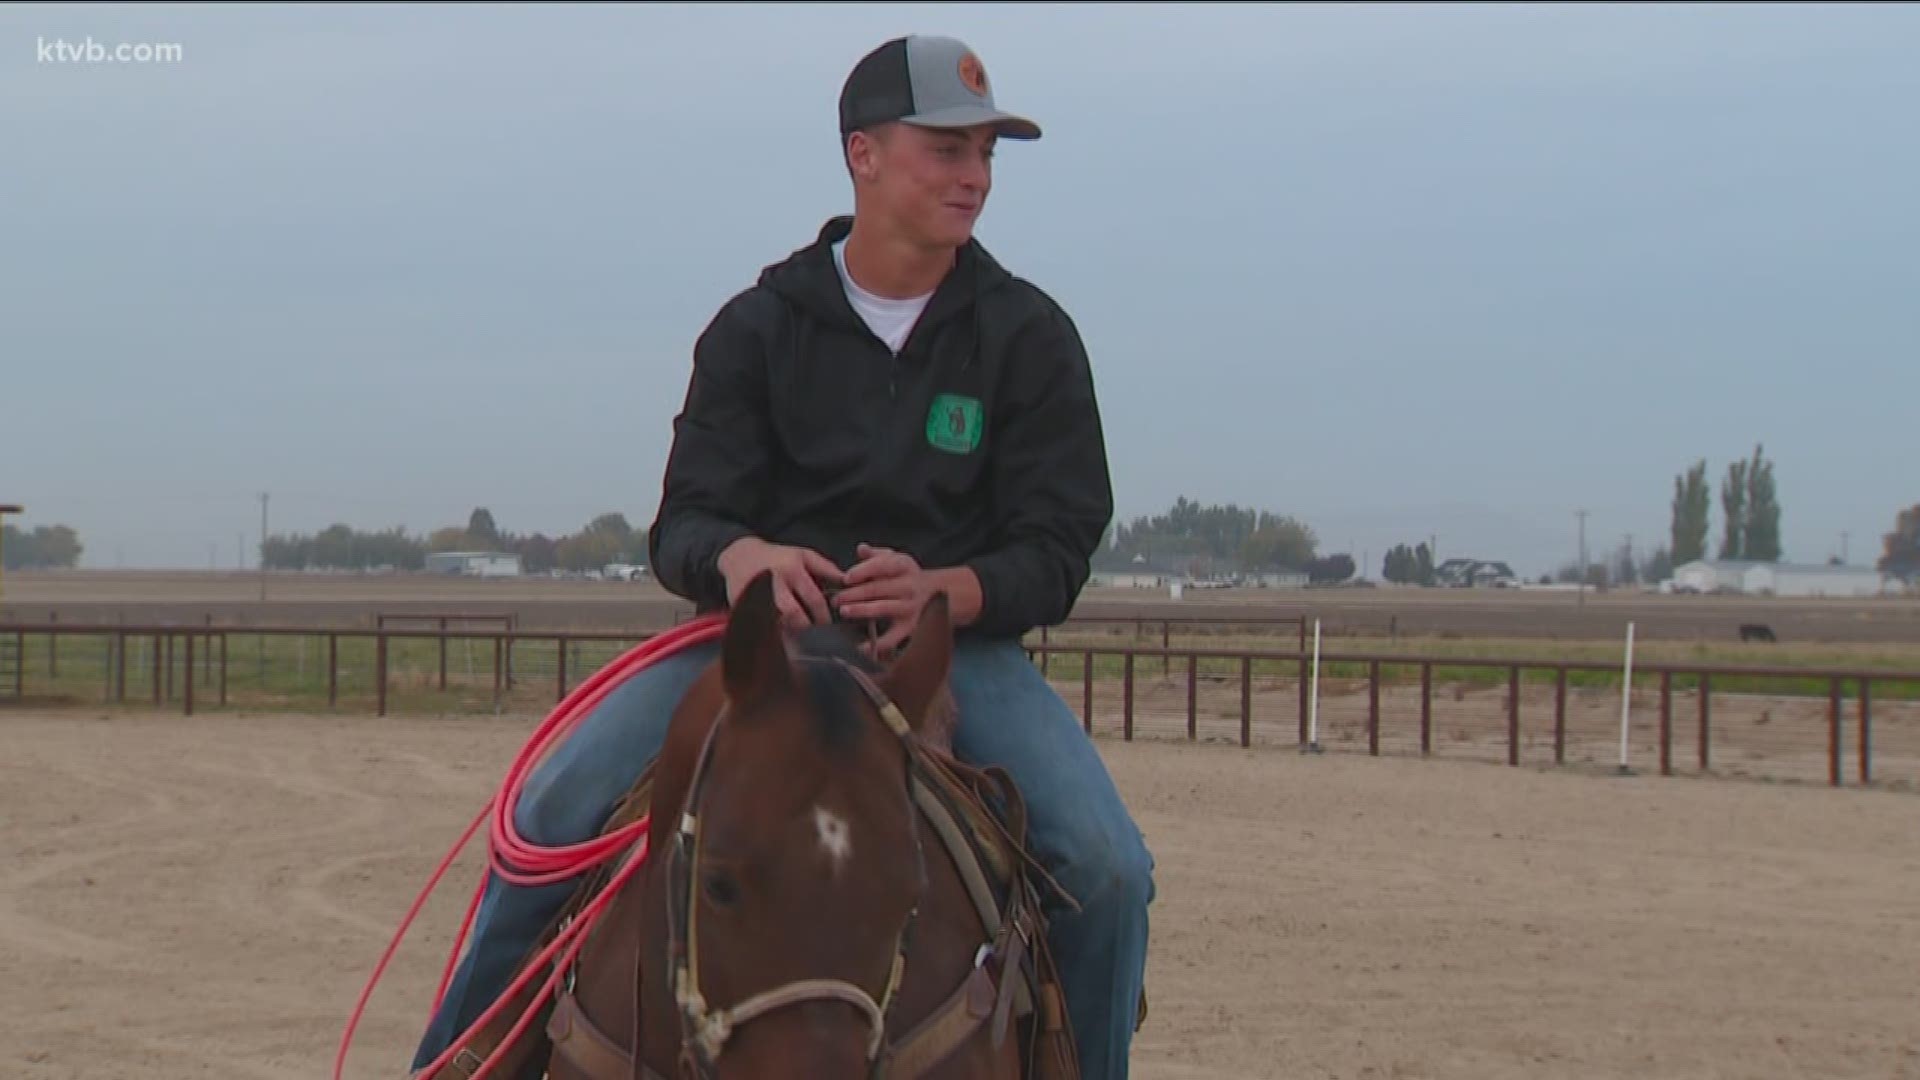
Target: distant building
{"type": "Point", "coordinates": [1780, 579]}
{"type": "Point", "coordinates": [1474, 574]}
{"type": "Point", "coordinates": [474, 563]}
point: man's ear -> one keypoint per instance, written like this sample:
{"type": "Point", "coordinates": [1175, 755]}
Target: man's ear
{"type": "Point", "coordinates": [753, 656]}
{"type": "Point", "coordinates": [917, 679]}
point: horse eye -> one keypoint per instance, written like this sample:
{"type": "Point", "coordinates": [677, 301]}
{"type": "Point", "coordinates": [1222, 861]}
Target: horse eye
{"type": "Point", "coordinates": [722, 890]}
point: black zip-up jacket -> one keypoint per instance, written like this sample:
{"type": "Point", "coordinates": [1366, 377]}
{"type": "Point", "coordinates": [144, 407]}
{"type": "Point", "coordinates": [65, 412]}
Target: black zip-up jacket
{"type": "Point", "coordinates": [980, 445]}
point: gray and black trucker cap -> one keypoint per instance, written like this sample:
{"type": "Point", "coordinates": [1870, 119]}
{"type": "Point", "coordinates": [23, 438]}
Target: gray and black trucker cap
{"type": "Point", "coordinates": [925, 80]}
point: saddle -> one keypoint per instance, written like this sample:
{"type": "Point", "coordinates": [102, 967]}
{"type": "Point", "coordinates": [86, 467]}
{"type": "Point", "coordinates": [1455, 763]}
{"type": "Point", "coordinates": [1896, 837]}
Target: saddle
{"type": "Point", "coordinates": [980, 818]}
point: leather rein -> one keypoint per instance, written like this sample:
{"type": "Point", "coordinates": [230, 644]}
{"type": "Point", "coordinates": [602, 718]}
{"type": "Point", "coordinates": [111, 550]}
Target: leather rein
{"type": "Point", "coordinates": [705, 1029]}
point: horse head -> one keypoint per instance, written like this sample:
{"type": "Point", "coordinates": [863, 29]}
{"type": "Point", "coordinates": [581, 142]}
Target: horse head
{"type": "Point", "coordinates": [796, 869]}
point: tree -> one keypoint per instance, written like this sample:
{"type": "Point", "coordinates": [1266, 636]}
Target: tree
{"type": "Point", "coordinates": [1690, 509]}
{"type": "Point", "coordinates": [1657, 567]}
{"type": "Point", "coordinates": [538, 553]}
{"type": "Point", "coordinates": [1900, 554]}
{"type": "Point", "coordinates": [1733, 504]}
{"type": "Point", "coordinates": [1284, 543]}
{"type": "Point", "coordinates": [47, 547]}
{"type": "Point", "coordinates": [1761, 541]}
{"type": "Point", "coordinates": [1409, 565]}
{"type": "Point", "coordinates": [450, 538]}
{"type": "Point", "coordinates": [1331, 570]}
{"type": "Point", "coordinates": [1624, 570]}
{"type": "Point", "coordinates": [482, 531]}
{"type": "Point", "coordinates": [1199, 536]}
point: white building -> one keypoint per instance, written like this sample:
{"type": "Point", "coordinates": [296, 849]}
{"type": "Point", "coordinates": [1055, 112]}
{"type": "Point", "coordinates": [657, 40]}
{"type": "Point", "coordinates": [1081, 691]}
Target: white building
{"type": "Point", "coordinates": [474, 563]}
{"type": "Point", "coordinates": [1781, 579]}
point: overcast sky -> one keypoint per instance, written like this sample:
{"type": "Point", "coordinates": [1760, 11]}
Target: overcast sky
{"type": "Point", "coordinates": [1482, 266]}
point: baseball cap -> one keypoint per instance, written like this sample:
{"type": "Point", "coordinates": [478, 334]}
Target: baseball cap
{"type": "Point", "coordinates": [926, 80]}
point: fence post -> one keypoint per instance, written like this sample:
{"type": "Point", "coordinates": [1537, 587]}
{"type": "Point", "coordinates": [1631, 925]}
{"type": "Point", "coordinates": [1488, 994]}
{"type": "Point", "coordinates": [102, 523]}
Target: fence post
{"type": "Point", "coordinates": [223, 668]}
{"type": "Point", "coordinates": [498, 650]}
{"type": "Point", "coordinates": [1246, 701]}
{"type": "Point", "coordinates": [1373, 708]}
{"type": "Point", "coordinates": [53, 648]}
{"type": "Point", "coordinates": [156, 669]}
{"type": "Point", "coordinates": [380, 673]}
{"type": "Point", "coordinates": [1086, 674]}
{"type": "Point", "coordinates": [186, 687]}
{"type": "Point", "coordinates": [443, 652]}
{"type": "Point", "coordinates": [1866, 731]}
{"type": "Point", "coordinates": [1666, 723]}
{"type": "Point", "coordinates": [1126, 722]}
{"type": "Point", "coordinates": [120, 665]}
{"type": "Point", "coordinates": [1513, 715]}
{"type": "Point", "coordinates": [1193, 697]}
{"type": "Point", "coordinates": [1426, 708]}
{"type": "Point", "coordinates": [333, 669]}
{"type": "Point", "coordinates": [1303, 687]}
{"type": "Point", "coordinates": [1560, 717]}
{"type": "Point", "coordinates": [560, 649]}
{"type": "Point", "coordinates": [1833, 731]}
{"type": "Point", "coordinates": [1705, 683]}
{"type": "Point", "coordinates": [1166, 643]}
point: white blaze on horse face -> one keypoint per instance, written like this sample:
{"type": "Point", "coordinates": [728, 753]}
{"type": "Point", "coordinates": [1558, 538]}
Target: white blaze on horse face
{"type": "Point", "coordinates": [836, 837]}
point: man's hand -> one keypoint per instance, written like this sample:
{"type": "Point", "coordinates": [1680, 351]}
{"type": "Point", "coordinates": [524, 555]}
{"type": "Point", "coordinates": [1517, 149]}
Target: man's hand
{"type": "Point", "coordinates": [797, 574]}
{"type": "Point", "coordinates": [892, 586]}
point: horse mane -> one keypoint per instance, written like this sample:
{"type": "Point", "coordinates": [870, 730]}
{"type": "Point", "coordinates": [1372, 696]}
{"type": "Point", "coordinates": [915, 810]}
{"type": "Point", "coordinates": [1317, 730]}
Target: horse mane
{"type": "Point", "coordinates": [838, 721]}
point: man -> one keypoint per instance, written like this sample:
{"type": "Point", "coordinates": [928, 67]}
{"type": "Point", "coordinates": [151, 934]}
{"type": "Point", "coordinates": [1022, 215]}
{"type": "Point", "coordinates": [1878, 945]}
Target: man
{"type": "Point", "coordinates": [887, 414]}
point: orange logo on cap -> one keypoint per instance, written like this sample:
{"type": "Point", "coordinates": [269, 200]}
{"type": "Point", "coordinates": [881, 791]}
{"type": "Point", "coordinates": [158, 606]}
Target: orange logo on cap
{"type": "Point", "coordinates": [972, 75]}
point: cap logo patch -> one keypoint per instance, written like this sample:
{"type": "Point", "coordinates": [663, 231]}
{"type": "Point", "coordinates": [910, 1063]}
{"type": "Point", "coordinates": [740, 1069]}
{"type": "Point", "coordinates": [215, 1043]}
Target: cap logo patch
{"type": "Point", "coordinates": [972, 75]}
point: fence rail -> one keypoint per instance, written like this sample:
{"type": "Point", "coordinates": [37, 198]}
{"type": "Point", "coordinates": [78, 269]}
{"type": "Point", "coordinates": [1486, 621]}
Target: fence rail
{"type": "Point", "coordinates": [1371, 702]}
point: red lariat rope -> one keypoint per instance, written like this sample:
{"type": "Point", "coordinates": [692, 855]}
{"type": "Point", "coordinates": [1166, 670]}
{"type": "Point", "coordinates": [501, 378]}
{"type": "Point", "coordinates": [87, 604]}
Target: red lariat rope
{"type": "Point", "coordinates": [521, 862]}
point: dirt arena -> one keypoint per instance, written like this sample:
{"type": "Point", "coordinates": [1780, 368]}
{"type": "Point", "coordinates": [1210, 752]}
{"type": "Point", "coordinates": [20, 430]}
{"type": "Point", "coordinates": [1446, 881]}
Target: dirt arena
{"type": "Point", "coordinates": [204, 897]}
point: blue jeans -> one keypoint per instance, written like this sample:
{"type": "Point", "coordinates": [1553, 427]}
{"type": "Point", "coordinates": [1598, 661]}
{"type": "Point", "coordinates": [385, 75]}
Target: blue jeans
{"type": "Point", "coordinates": [1009, 716]}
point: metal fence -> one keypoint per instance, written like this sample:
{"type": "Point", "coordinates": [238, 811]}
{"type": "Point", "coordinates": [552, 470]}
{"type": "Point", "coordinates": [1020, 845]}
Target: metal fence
{"type": "Point", "coordinates": [1788, 723]}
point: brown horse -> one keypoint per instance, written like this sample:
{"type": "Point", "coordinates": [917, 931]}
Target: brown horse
{"type": "Point", "coordinates": [812, 904]}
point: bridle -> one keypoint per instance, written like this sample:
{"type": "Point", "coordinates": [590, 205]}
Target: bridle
{"type": "Point", "coordinates": [705, 1030]}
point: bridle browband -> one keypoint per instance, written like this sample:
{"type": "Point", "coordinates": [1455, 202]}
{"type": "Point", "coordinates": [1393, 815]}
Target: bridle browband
{"type": "Point", "coordinates": [705, 1030]}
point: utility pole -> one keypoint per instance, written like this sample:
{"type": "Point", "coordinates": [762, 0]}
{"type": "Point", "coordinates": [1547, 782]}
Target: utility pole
{"type": "Point", "coordinates": [1582, 515]}
{"type": "Point", "coordinates": [263, 546]}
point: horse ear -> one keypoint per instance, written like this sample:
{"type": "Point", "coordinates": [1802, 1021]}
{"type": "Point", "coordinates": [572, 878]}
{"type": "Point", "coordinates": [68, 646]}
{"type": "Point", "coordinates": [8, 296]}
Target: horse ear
{"type": "Point", "coordinates": [917, 679]}
{"type": "Point", "coordinates": [753, 657]}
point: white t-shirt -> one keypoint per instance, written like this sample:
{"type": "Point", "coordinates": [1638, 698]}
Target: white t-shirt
{"type": "Point", "coordinates": [891, 320]}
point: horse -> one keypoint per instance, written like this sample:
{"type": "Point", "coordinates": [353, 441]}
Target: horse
{"type": "Point", "coordinates": [812, 901]}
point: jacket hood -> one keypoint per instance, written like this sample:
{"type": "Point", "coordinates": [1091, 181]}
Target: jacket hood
{"type": "Point", "coordinates": [809, 280]}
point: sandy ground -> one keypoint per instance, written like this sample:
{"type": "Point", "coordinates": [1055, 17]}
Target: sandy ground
{"type": "Point", "coordinates": [204, 897]}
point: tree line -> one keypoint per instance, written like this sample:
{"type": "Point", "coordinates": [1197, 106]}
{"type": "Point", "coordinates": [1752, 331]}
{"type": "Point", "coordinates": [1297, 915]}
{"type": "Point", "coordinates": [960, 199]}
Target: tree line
{"type": "Point", "coordinates": [47, 547]}
{"type": "Point", "coordinates": [1749, 507]}
{"type": "Point", "coordinates": [1208, 539]}
{"type": "Point", "coordinates": [608, 538]}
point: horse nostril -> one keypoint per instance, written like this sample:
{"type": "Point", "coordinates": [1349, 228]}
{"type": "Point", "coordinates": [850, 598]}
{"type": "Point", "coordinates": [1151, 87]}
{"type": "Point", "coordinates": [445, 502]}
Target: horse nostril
{"type": "Point", "coordinates": [722, 890]}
